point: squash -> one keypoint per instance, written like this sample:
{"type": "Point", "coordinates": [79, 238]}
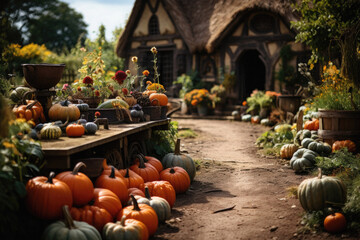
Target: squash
{"type": "Point", "coordinates": [135, 192]}
{"type": "Point", "coordinates": [18, 93]}
{"type": "Point", "coordinates": [300, 135]}
{"type": "Point", "coordinates": [312, 124]}
{"type": "Point", "coordinates": [288, 150]}
{"type": "Point", "coordinates": [322, 149]}
{"type": "Point", "coordinates": [93, 215]}
{"type": "Point", "coordinates": [130, 229]}
{"type": "Point", "coordinates": [162, 189]}
{"type": "Point", "coordinates": [130, 100]}
{"type": "Point", "coordinates": [177, 177]}
{"type": "Point", "coordinates": [316, 194]}
{"type": "Point", "coordinates": [46, 196]}
{"type": "Point", "coordinates": [75, 130]}
{"type": "Point", "coordinates": [31, 111]}
{"type": "Point", "coordinates": [335, 223]}
{"type": "Point", "coordinates": [63, 110]}
{"type": "Point", "coordinates": [132, 179]}
{"type": "Point", "coordinates": [141, 212]}
{"type": "Point", "coordinates": [158, 99]}
{"type": "Point", "coordinates": [152, 161]}
{"type": "Point", "coordinates": [90, 128]}
{"type": "Point", "coordinates": [177, 159]}
{"type": "Point", "coordinates": [70, 230]}
{"type": "Point", "coordinates": [306, 141]}
{"type": "Point", "coordinates": [111, 103]}
{"type": "Point", "coordinates": [145, 170]}
{"type": "Point", "coordinates": [83, 107]}
{"type": "Point", "coordinates": [104, 198]}
{"type": "Point", "coordinates": [159, 204]}
{"type": "Point", "coordinates": [246, 118]}
{"type": "Point", "coordinates": [115, 184]}
{"type": "Point", "coordinates": [302, 160]}
{"type": "Point", "coordinates": [255, 119]}
{"type": "Point", "coordinates": [81, 187]}
{"type": "Point", "coordinates": [50, 131]}
{"type": "Point", "coordinates": [350, 145]}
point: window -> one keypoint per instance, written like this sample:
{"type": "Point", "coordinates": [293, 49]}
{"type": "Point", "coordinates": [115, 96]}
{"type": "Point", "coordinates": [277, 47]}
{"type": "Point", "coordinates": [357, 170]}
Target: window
{"type": "Point", "coordinates": [154, 25]}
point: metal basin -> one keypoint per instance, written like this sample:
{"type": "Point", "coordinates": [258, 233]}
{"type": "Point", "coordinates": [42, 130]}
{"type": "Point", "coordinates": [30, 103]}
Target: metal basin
{"type": "Point", "coordinates": [44, 75]}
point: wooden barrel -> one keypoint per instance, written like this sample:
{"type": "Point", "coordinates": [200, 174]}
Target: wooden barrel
{"type": "Point", "coordinates": [289, 103]}
{"type": "Point", "coordinates": [339, 125]}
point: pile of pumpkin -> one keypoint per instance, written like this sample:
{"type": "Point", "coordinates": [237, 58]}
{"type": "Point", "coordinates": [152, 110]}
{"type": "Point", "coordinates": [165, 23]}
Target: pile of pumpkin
{"type": "Point", "coordinates": [65, 118]}
{"type": "Point", "coordinates": [120, 204]}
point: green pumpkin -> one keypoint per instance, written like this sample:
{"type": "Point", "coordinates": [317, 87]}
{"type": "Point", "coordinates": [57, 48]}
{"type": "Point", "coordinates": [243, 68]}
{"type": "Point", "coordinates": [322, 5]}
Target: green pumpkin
{"type": "Point", "coordinates": [180, 160]}
{"type": "Point", "coordinates": [321, 192]}
{"type": "Point", "coordinates": [302, 160]}
{"type": "Point", "coordinates": [246, 118]}
{"type": "Point", "coordinates": [83, 107]}
{"type": "Point", "coordinates": [70, 229]}
{"type": "Point", "coordinates": [300, 135]}
{"type": "Point", "coordinates": [320, 148]}
{"type": "Point", "coordinates": [306, 141]}
{"type": "Point", "coordinates": [159, 204]}
{"type": "Point", "coordinates": [50, 131]}
{"type": "Point", "coordinates": [90, 128]}
{"type": "Point", "coordinates": [120, 231]}
{"type": "Point", "coordinates": [18, 93]}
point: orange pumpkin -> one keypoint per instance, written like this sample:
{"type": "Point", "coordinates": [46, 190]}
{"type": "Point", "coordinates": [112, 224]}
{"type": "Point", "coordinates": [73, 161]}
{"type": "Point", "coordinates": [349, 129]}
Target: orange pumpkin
{"type": "Point", "coordinates": [32, 111]}
{"type": "Point", "coordinates": [141, 212]}
{"type": "Point", "coordinates": [335, 223]}
{"type": "Point", "coordinates": [154, 162]}
{"type": "Point", "coordinates": [132, 179]}
{"type": "Point", "coordinates": [149, 92]}
{"type": "Point", "coordinates": [136, 192]}
{"type": "Point", "coordinates": [107, 170]}
{"type": "Point", "coordinates": [350, 145]}
{"type": "Point", "coordinates": [64, 110]}
{"type": "Point", "coordinates": [129, 229]}
{"type": "Point", "coordinates": [80, 185]}
{"type": "Point", "coordinates": [158, 99]}
{"type": "Point", "coordinates": [46, 197]}
{"type": "Point", "coordinates": [104, 198]}
{"type": "Point", "coordinates": [177, 177]}
{"type": "Point", "coordinates": [115, 184]}
{"type": "Point", "coordinates": [75, 130]}
{"type": "Point", "coordinates": [162, 189]}
{"type": "Point", "coordinates": [312, 125]}
{"type": "Point", "coordinates": [145, 170]}
{"type": "Point", "coordinates": [93, 215]}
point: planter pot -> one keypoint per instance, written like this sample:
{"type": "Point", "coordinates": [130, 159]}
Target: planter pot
{"type": "Point", "coordinates": [93, 102]}
{"type": "Point", "coordinates": [339, 125]}
{"type": "Point", "coordinates": [264, 113]}
{"type": "Point", "coordinates": [289, 103]}
{"type": "Point", "coordinates": [202, 110]}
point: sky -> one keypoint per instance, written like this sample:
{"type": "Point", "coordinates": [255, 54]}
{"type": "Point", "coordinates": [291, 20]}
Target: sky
{"type": "Point", "coordinates": [110, 13]}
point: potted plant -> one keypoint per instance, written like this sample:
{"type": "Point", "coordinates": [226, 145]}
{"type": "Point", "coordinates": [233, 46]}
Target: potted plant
{"type": "Point", "coordinates": [219, 94]}
{"type": "Point", "coordinates": [200, 99]}
{"type": "Point", "coordinates": [260, 103]}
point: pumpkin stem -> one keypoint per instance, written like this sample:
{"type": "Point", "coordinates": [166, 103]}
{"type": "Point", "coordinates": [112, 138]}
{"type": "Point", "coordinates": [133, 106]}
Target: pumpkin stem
{"type": "Point", "coordinates": [141, 161]}
{"type": "Point", "coordinates": [127, 173]}
{"type": "Point", "coordinates": [69, 223]}
{"type": "Point", "coordinates": [122, 222]}
{"type": "Point", "coordinates": [50, 179]}
{"type": "Point", "coordinates": [77, 167]}
{"type": "Point", "coordinates": [135, 203]}
{"type": "Point", "coordinates": [144, 158]}
{"type": "Point", "coordinates": [147, 193]}
{"type": "Point", "coordinates": [104, 164]}
{"type": "Point", "coordinates": [172, 171]}
{"type": "Point", "coordinates": [177, 147]}
{"type": "Point", "coordinates": [112, 174]}
{"type": "Point", "coordinates": [320, 173]}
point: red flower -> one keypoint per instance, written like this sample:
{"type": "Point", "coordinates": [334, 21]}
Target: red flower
{"type": "Point", "coordinates": [88, 80]}
{"type": "Point", "coordinates": [97, 114]}
{"type": "Point", "coordinates": [120, 76]}
{"type": "Point", "coordinates": [97, 93]}
{"type": "Point", "coordinates": [125, 91]}
{"type": "Point", "coordinates": [146, 73]}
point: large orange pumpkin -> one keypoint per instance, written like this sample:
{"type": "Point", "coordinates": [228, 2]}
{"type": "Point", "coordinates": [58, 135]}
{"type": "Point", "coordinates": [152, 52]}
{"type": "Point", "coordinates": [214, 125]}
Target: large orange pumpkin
{"type": "Point", "coordinates": [115, 184]}
{"type": "Point", "coordinates": [153, 161]}
{"type": "Point", "coordinates": [158, 99]}
{"type": "Point", "coordinates": [350, 145]}
{"type": "Point", "coordinates": [80, 185]}
{"type": "Point", "coordinates": [177, 177]}
{"type": "Point", "coordinates": [141, 212]}
{"type": "Point", "coordinates": [64, 110]}
{"type": "Point", "coordinates": [145, 170]}
{"type": "Point", "coordinates": [312, 125]}
{"type": "Point", "coordinates": [132, 179]}
{"type": "Point", "coordinates": [46, 197]}
{"type": "Point", "coordinates": [162, 189]}
{"type": "Point", "coordinates": [107, 169]}
{"type": "Point", "coordinates": [93, 215]}
{"type": "Point", "coordinates": [104, 198]}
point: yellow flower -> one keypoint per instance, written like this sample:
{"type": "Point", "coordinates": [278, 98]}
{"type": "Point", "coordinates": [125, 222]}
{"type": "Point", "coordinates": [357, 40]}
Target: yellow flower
{"type": "Point", "coordinates": [134, 59]}
{"type": "Point", "coordinates": [153, 50]}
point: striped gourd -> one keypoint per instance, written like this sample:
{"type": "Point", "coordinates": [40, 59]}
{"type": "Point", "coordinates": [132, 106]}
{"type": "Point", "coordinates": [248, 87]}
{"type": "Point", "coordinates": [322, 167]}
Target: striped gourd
{"type": "Point", "coordinates": [50, 131]}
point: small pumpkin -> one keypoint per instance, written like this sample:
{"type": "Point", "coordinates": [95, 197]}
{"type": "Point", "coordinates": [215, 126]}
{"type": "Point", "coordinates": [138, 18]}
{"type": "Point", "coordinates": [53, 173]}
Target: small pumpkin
{"type": "Point", "coordinates": [18, 93]}
{"type": "Point", "coordinates": [246, 118]}
{"type": "Point", "coordinates": [153, 161]}
{"type": "Point", "coordinates": [300, 135]}
{"type": "Point", "coordinates": [83, 107]}
{"type": "Point", "coordinates": [93, 215]}
{"type": "Point", "coordinates": [125, 229]}
{"type": "Point", "coordinates": [136, 192]}
{"type": "Point", "coordinates": [115, 184]}
{"type": "Point", "coordinates": [320, 148]}
{"type": "Point", "coordinates": [306, 141]}
{"type": "Point", "coordinates": [321, 192]}
{"type": "Point", "coordinates": [302, 160]}
{"type": "Point", "coordinates": [288, 150]}
{"type": "Point", "coordinates": [162, 189]}
{"type": "Point", "coordinates": [75, 130]}
{"type": "Point", "coordinates": [141, 212]}
{"type": "Point", "coordinates": [350, 145]}
{"type": "Point", "coordinates": [61, 111]}
{"type": "Point", "coordinates": [335, 223]}
{"type": "Point", "coordinates": [158, 99]}
{"type": "Point", "coordinates": [255, 119]}
{"type": "Point", "coordinates": [132, 179]}
{"type": "Point", "coordinates": [90, 128]}
{"type": "Point", "coordinates": [31, 111]}
{"type": "Point", "coordinates": [177, 177]}
{"type": "Point", "coordinates": [50, 131]}
{"type": "Point", "coordinates": [145, 170]}
{"type": "Point", "coordinates": [312, 124]}
{"type": "Point", "coordinates": [104, 198]}
{"type": "Point", "coordinates": [46, 196]}
{"type": "Point", "coordinates": [70, 229]}
{"type": "Point", "coordinates": [80, 185]}
{"type": "Point", "coordinates": [177, 159]}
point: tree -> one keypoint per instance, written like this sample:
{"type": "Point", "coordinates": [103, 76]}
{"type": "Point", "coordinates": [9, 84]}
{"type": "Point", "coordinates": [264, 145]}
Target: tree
{"type": "Point", "coordinates": [331, 28]}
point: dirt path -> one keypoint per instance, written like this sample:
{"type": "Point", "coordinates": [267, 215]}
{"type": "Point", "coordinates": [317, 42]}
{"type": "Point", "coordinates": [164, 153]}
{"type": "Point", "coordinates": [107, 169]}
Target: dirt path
{"type": "Point", "coordinates": [232, 174]}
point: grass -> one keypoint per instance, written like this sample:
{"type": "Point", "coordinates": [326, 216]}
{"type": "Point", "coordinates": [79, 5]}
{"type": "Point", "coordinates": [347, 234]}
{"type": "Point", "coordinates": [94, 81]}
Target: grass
{"type": "Point", "coordinates": [197, 164]}
{"type": "Point", "coordinates": [187, 133]}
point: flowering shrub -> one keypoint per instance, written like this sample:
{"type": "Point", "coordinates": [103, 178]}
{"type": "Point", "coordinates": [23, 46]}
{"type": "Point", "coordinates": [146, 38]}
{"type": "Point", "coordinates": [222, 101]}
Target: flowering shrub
{"type": "Point", "coordinates": [335, 92]}
{"type": "Point", "coordinates": [198, 96]}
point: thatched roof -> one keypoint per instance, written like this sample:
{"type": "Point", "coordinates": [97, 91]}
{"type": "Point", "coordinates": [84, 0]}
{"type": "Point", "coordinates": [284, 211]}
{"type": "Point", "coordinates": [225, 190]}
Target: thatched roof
{"type": "Point", "coordinates": [202, 23]}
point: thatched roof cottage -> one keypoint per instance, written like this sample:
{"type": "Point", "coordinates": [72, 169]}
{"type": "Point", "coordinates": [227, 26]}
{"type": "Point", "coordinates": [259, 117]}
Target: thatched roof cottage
{"type": "Point", "coordinates": [213, 37]}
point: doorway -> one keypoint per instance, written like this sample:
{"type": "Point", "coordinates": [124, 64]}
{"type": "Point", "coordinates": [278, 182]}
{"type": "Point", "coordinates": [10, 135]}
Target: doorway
{"type": "Point", "coordinates": [250, 71]}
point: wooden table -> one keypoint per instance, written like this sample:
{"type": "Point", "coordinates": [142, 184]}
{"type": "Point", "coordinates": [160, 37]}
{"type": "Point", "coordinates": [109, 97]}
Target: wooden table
{"type": "Point", "coordinates": [58, 153]}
